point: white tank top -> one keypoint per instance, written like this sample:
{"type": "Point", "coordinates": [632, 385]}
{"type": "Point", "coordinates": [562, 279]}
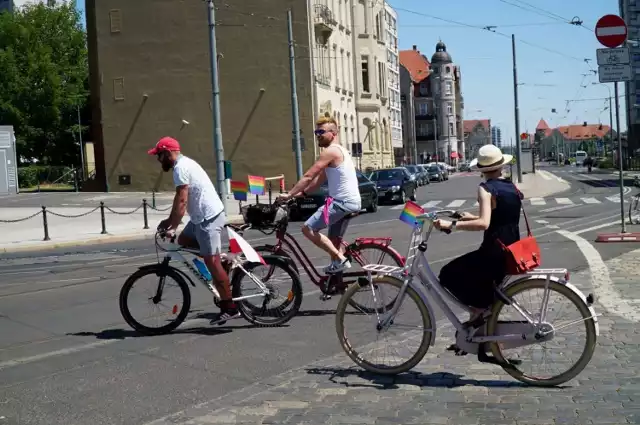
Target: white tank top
{"type": "Point", "coordinates": [342, 180]}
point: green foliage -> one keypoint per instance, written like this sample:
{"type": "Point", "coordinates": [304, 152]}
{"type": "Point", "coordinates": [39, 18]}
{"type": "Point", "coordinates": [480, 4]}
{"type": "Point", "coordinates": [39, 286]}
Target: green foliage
{"type": "Point", "coordinates": [606, 163]}
{"type": "Point", "coordinates": [44, 69]}
{"type": "Point", "coordinates": [33, 175]}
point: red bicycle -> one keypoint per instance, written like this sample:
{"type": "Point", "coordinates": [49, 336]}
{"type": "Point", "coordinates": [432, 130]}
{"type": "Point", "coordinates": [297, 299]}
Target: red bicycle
{"type": "Point", "coordinates": [275, 219]}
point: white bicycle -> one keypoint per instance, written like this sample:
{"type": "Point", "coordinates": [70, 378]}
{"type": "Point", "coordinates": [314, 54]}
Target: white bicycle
{"type": "Point", "coordinates": [528, 329]}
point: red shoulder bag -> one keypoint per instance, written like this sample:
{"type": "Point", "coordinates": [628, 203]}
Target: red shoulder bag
{"type": "Point", "coordinates": [523, 255]}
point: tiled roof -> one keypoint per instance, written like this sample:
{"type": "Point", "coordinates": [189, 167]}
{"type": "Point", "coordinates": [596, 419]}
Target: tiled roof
{"type": "Point", "coordinates": [469, 125]}
{"type": "Point", "coordinates": [542, 125]}
{"type": "Point", "coordinates": [415, 63]}
{"type": "Point", "coordinates": [581, 132]}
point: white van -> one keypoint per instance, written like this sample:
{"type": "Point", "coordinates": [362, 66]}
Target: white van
{"type": "Point", "coordinates": [580, 157]}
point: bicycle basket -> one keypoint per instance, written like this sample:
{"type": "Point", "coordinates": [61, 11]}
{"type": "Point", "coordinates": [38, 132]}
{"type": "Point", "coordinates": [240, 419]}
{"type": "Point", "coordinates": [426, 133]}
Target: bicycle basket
{"type": "Point", "coordinates": [259, 215]}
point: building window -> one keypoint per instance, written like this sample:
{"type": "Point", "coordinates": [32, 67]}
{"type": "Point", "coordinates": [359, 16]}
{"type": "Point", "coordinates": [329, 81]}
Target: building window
{"type": "Point", "coordinates": [423, 109]}
{"type": "Point", "coordinates": [336, 59]}
{"type": "Point", "coordinates": [424, 89]}
{"type": "Point", "coordinates": [449, 109]}
{"type": "Point", "coordinates": [451, 132]}
{"type": "Point", "coordinates": [339, 11]}
{"type": "Point", "coordinates": [448, 70]}
{"type": "Point", "coordinates": [365, 12]}
{"type": "Point", "coordinates": [365, 74]}
{"type": "Point", "coordinates": [349, 79]}
{"type": "Point", "coordinates": [449, 87]}
{"type": "Point", "coordinates": [381, 79]}
{"type": "Point", "coordinates": [344, 66]}
{"type": "Point", "coordinates": [378, 27]}
{"type": "Point", "coordinates": [115, 20]}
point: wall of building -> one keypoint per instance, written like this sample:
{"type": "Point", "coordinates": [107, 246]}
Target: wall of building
{"type": "Point", "coordinates": [150, 69]}
{"type": "Point", "coordinates": [333, 67]}
{"type": "Point", "coordinates": [443, 86]}
{"type": "Point", "coordinates": [408, 115]}
{"type": "Point", "coordinates": [393, 76]}
{"type": "Point", "coordinates": [372, 90]}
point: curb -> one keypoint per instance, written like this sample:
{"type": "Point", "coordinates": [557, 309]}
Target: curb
{"type": "Point", "coordinates": [619, 237]}
{"type": "Point", "coordinates": [100, 240]}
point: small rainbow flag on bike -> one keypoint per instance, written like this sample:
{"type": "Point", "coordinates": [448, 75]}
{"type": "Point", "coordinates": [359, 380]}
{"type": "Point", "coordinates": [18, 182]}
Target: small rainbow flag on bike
{"type": "Point", "coordinates": [256, 185]}
{"type": "Point", "coordinates": [410, 213]}
{"type": "Point", "coordinates": [239, 190]}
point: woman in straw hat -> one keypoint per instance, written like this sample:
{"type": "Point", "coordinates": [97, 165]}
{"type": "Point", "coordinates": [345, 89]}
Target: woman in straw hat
{"type": "Point", "coordinates": [471, 278]}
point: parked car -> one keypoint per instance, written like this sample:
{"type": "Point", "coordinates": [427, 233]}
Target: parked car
{"type": "Point", "coordinates": [394, 185]}
{"type": "Point", "coordinates": [417, 173]}
{"type": "Point", "coordinates": [425, 174]}
{"type": "Point", "coordinates": [445, 170]}
{"type": "Point", "coordinates": [435, 173]}
{"type": "Point", "coordinates": [304, 207]}
{"type": "Point", "coordinates": [465, 166]}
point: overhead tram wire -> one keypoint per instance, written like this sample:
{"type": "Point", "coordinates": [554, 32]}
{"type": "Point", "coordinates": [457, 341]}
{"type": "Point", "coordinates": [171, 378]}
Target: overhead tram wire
{"type": "Point", "coordinates": [576, 21]}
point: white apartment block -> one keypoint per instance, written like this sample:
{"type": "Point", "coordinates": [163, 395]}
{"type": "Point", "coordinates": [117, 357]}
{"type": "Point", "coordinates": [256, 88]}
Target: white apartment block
{"type": "Point", "coordinates": [351, 74]}
{"type": "Point", "coordinates": [333, 65]}
{"type": "Point", "coordinates": [393, 69]}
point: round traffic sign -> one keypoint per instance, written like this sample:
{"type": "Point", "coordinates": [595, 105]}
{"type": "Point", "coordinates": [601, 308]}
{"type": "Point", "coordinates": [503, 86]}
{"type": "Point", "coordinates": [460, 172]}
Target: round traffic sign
{"type": "Point", "coordinates": [611, 31]}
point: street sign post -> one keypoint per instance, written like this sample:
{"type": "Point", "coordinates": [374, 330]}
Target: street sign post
{"type": "Point", "coordinates": [611, 31]}
{"type": "Point", "coordinates": [613, 66]}
{"type": "Point", "coordinates": [614, 74]}
{"type": "Point", "coordinates": [616, 56]}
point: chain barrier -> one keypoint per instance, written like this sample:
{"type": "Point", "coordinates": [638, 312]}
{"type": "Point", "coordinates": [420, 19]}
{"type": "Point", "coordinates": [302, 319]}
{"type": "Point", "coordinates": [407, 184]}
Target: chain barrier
{"type": "Point", "coordinates": [102, 207]}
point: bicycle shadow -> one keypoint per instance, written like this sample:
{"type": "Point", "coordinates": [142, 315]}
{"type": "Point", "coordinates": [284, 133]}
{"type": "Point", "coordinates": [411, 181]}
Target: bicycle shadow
{"type": "Point", "coordinates": [122, 334]}
{"type": "Point", "coordinates": [317, 313]}
{"type": "Point", "coordinates": [342, 376]}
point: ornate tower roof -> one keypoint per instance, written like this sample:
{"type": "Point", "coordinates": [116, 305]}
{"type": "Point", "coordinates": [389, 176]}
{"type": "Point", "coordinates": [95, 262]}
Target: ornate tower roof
{"type": "Point", "coordinates": [441, 56]}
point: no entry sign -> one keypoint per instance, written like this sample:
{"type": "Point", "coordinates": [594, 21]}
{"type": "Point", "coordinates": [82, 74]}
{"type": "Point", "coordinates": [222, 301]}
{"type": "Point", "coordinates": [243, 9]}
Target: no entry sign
{"type": "Point", "coordinates": [611, 31]}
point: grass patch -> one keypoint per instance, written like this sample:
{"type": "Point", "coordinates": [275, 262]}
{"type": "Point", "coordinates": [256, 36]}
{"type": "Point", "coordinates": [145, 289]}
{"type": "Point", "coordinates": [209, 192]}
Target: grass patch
{"type": "Point", "coordinates": [48, 188]}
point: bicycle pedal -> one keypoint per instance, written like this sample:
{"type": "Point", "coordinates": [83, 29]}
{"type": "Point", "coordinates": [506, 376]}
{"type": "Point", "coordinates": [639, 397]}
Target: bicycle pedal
{"type": "Point", "coordinates": [325, 297]}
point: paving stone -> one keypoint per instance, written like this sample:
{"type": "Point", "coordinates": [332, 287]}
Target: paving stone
{"type": "Point", "coordinates": [449, 389]}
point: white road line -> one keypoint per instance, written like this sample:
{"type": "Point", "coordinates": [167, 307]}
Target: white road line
{"type": "Point", "coordinates": [538, 201]}
{"type": "Point", "coordinates": [457, 203]}
{"type": "Point", "coordinates": [431, 204]}
{"type": "Point", "coordinates": [544, 175]}
{"type": "Point", "coordinates": [562, 207]}
{"type": "Point", "coordinates": [564, 201]}
{"type": "Point", "coordinates": [590, 200]}
{"type": "Point", "coordinates": [397, 207]}
{"type": "Point", "coordinates": [615, 199]}
{"type": "Point", "coordinates": [63, 352]}
{"type": "Point", "coordinates": [599, 226]}
{"type": "Point", "coordinates": [605, 292]}
{"type": "Point", "coordinates": [542, 221]}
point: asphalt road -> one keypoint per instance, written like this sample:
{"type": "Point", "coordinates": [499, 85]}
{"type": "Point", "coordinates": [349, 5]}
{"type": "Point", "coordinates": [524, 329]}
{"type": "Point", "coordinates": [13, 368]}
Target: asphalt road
{"type": "Point", "coordinates": [67, 357]}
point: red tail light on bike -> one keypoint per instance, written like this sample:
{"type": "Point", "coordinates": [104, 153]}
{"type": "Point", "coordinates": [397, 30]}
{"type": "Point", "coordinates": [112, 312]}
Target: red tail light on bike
{"type": "Point", "coordinates": [174, 310]}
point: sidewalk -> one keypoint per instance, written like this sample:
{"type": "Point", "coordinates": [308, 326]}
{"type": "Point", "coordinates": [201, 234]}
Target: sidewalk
{"type": "Point", "coordinates": [541, 184]}
{"type": "Point", "coordinates": [22, 228]}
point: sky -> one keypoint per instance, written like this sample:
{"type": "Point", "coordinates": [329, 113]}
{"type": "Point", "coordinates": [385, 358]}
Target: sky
{"type": "Point", "coordinates": [551, 73]}
{"type": "Point", "coordinates": [550, 56]}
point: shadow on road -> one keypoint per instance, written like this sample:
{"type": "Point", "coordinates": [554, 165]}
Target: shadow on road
{"type": "Point", "coordinates": [439, 379]}
{"type": "Point", "coordinates": [612, 182]}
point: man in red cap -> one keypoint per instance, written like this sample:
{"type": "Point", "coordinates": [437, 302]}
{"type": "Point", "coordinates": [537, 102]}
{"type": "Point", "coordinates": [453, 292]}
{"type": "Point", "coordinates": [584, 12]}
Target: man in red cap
{"type": "Point", "coordinates": [196, 195]}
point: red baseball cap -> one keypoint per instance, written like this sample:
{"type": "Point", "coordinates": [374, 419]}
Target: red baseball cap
{"type": "Point", "coordinates": [165, 144]}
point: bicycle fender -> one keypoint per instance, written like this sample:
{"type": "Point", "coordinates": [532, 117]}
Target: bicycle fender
{"type": "Point", "coordinates": [160, 267]}
{"type": "Point", "coordinates": [432, 316]}
{"type": "Point", "coordinates": [570, 286]}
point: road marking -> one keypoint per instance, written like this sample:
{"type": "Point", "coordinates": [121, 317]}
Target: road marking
{"type": "Point", "coordinates": [538, 201]}
{"type": "Point", "coordinates": [599, 226]}
{"type": "Point", "coordinates": [455, 204]}
{"type": "Point", "coordinates": [564, 201]}
{"type": "Point", "coordinates": [62, 352]}
{"type": "Point", "coordinates": [431, 204]}
{"type": "Point", "coordinates": [542, 221]}
{"type": "Point", "coordinates": [545, 175]}
{"type": "Point", "coordinates": [562, 207]}
{"type": "Point", "coordinates": [615, 199]}
{"type": "Point", "coordinates": [590, 200]}
{"type": "Point", "coordinates": [397, 207]}
{"type": "Point", "coordinates": [605, 291]}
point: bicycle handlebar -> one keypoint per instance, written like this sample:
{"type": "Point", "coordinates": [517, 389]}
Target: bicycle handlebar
{"type": "Point", "coordinates": [434, 215]}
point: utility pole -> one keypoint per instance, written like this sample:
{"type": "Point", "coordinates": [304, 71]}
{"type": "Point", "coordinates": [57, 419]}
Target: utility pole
{"type": "Point", "coordinates": [622, 219]}
{"type": "Point", "coordinates": [215, 105]}
{"type": "Point", "coordinates": [294, 97]}
{"type": "Point", "coordinates": [516, 107]}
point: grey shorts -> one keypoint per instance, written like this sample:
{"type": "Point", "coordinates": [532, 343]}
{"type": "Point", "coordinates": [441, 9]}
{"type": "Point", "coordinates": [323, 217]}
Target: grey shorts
{"type": "Point", "coordinates": [337, 212]}
{"type": "Point", "coordinates": [207, 234]}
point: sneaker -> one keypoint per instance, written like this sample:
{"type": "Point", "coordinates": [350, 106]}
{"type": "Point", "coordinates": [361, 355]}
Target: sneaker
{"type": "Point", "coordinates": [338, 266]}
{"type": "Point", "coordinates": [225, 315]}
{"type": "Point", "coordinates": [333, 264]}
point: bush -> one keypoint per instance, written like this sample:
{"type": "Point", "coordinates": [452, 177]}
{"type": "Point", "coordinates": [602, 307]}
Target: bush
{"type": "Point", "coordinates": [33, 175]}
{"type": "Point", "coordinates": [605, 163]}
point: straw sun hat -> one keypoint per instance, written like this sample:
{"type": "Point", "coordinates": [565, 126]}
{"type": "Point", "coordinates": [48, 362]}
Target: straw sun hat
{"type": "Point", "coordinates": [490, 158]}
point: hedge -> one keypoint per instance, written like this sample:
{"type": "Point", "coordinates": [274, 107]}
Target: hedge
{"type": "Point", "coordinates": [32, 175]}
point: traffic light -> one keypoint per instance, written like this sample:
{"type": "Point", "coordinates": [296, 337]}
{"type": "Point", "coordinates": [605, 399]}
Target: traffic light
{"type": "Point", "coordinates": [524, 136]}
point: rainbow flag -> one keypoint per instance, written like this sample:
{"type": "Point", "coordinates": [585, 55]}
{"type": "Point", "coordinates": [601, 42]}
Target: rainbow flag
{"type": "Point", "coordinates": [239, 190]}
{"type": "Point", "coordinates": [410, 212]}
{"type": "Point", "coordinates": [256, 185]}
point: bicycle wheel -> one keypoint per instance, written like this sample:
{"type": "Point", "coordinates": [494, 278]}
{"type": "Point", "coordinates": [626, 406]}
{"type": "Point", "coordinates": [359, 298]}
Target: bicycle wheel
{"type": "Point", "coordinates": [583, 320]}
{"type": "Point", "coordinates": [178, 311]}
{"type": "Point", "coordinates": [362, 258]}
{"type": "Point", "coordinates": [257, 309]}
{"type": "Point", "coordinates": [634, 210]}
{"type": "Point", "coordinates": [356, 352]}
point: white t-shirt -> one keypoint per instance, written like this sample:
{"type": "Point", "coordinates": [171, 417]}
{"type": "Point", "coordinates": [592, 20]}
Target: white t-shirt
{"type": "Point", "coordinates": [203, 202]}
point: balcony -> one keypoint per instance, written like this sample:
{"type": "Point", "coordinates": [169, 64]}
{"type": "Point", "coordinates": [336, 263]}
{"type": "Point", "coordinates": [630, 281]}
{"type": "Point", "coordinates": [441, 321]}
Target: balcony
{"type": "Point", "coordinates": [324, 22]}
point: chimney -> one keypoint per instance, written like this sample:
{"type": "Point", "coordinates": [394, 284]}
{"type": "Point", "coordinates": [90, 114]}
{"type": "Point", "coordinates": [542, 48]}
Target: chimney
{"type": "Point", "coordinates": [415, 48]}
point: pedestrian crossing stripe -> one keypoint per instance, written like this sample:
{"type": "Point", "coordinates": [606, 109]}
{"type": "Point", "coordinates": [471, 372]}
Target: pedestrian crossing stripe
{"type": "Point", "coordinates": [468, 203]}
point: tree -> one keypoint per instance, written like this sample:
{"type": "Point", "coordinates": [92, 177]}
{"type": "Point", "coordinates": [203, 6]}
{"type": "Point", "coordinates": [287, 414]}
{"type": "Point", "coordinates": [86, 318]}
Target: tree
{"type": "Point", "coordinates": [44, 78]}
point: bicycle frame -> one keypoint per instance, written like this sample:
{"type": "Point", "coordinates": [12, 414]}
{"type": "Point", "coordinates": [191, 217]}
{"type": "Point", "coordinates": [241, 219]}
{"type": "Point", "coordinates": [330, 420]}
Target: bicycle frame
{"type": "Point", "coordinates": [417, 268]}
{"type": "Point", "coordinates": [289, 244]}
{"type": "Point", "coordinates": [174, 252]}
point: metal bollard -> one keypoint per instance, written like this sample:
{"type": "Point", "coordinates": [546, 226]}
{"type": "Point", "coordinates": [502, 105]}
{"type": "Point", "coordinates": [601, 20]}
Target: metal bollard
{"type": "Point", "coordinates": [269, 192]}
{"type": "Point", "coordinates": [104, 224]}
{"type": "Point", "coordinates": [144, 213]}
{"type": "Point", "coordinates": [45, 224]}
{"type": "Point", "coordinates": [153, 199]}
{"type": "Point", "coordinates": [257, 199]}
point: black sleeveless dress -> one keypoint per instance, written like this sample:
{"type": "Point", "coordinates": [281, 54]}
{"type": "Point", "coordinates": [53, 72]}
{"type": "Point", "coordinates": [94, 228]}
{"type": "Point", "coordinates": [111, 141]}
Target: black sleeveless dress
{"type": "Point", "coordinates": [472, 277]}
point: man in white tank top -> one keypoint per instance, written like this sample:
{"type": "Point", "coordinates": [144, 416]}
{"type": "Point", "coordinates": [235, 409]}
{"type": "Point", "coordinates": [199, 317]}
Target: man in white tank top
{"type": "Point", "coordinates": [336, 167]}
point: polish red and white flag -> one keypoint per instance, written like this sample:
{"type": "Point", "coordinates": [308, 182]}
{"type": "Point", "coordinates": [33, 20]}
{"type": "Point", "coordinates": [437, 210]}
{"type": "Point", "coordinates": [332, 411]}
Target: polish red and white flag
{"type": "Point", "coordinates": [237, 245]}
